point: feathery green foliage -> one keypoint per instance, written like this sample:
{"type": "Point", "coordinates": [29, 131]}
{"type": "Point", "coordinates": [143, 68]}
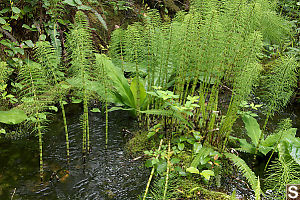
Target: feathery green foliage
{"type": "Point", "coordinates": [35, 85]}
{"type": "Point", "coordinates": [49, 58]}
{"type": "Point", "coordinates": [278, 84]}
{"type": "Point", "coordinates": [247, 172]}
{"type": "Point", "coordinates": [280, 173]}
{"type": "Point", "coordinates": [4, 72]}
{"type": "Point", "coordinates": [278, 87]}
{"type": "Point", "coordinates": [80, 51]}
{"type": "Point", "coordinates": [157, 191]}
{"type": "Point", "coordinates": [215, 43]}
{"type": "Point", "coordinates": [45, 53]}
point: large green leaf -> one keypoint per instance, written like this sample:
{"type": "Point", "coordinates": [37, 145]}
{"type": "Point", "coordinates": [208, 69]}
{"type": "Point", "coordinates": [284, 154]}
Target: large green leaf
{"type": "Point", "coordinates": [207, 174]}
{"type": "Point", "coordinates": [2, 21]}
{"type": "Point", "coordinates": [100, 18]}
{"type": "Point", "coordinates": [294, 150]}
{"type": "Point", "coordinates": [202, 157]}
{"type": "Point", "coordinates": [246, 147]}
{"type": "Point", "coordinates": [69, 2]}
{"type": "Point", "coordinates": [252, 127]}
{"type": "Point", "coordinates": [12, 116]}
{"type": "Point", "coordinates": [136, 85]}
{"type": "Point", "coordinates": [264, 150]}
{"type": "Point", "coordinates": [293, 147]}
{"type": "Point", "coordinates": [192, 170]}
{"type": "Point", "coordinates": [122, 90]}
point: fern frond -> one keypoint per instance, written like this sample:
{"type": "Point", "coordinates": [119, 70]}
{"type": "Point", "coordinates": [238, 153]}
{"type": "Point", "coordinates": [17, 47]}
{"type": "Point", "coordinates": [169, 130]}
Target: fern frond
{"type": "Point", "coordinates": [4, 72]}
{"type": "Point", "coordinates": [54, 8]}
{"type": "Point", "coordinates": [247, 172]}
{"type": "Point", "coordinates": [157, 189]}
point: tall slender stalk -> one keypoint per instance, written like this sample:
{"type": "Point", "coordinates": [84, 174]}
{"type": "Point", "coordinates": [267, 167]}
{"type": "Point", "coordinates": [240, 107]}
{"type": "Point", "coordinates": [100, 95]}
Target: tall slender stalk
{"type": "Point", "coordinates": [32, 78]}
{"type": "Point", "coordinates": [40, 148]}
{"type": "Point", "coordinates": [34, 90]}
{"type": "Point", "coordinates": [79, 46]}
{"type": "Point", "coordinates": [168, 170]}
{"type": "Point", "coordinates": [152, 173]}
{"type": "Point", "coordinates": [49, 58]}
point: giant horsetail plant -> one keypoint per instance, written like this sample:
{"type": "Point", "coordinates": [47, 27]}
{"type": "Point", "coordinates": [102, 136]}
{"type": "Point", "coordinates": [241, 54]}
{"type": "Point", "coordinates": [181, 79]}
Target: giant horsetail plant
{"type": "Point", "coordinates": [102, 76]}
{"type": "Point", "coordinates": [278, 87]}
{"type": "Point", "coordinates": [80, 52]}
{"type": "Point", "coordinates": [49, 58]}
{"type": "Point", "coordinates": [215, 45]}
{"type": "Point", "coordinates": [32, 77]}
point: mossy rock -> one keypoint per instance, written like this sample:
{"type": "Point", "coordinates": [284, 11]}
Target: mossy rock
{"type": "Point", "coordinates": [139, 143]}
{"type": "Point", "coordinates": [191, 189]}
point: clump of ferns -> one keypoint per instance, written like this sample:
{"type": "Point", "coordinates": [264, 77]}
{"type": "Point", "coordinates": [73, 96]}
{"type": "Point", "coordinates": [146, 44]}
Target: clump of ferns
{"type": "Point", "coordinates": [281, 172]}
{"type": "Point", "coordinates": [34, 95]}
{"type": "Point", "coordinates": [80, 53]}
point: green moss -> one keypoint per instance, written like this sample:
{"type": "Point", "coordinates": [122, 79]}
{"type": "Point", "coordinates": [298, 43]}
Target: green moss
{"type": "Point", "coordinates": [190, 188]}
{"type": "Point", "coordinates": [139, 143]}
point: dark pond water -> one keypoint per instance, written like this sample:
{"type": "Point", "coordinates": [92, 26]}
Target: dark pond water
{"type": "Point", "coordinates": [107, 174]}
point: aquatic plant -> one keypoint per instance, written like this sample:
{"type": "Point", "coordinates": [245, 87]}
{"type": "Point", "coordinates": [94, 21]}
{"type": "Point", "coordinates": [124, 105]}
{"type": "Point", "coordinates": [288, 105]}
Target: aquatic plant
{"type": "Point", "coordinates": [278, 88]}
{"type": "Point", "coordinates": [34, 95]}
{"type": "Point", "coordinates": [49, 58]}
{"type": "Point", "coordinates": [152, 173]}
{"type": "Point", "coordinates": [5, 72]}
{"type": "Point", "coordinates": [103, 82]}
{"type": "Point", "coordinates": [267, 144]}
{"type": "Point", "coordinates": [120, 92]}
{"type": "Point", "coordinates": [80, 52]}
{"type": "Point", "coordinates": [213, 45]}
{"type": "Point", "coordinates": [13, 116]}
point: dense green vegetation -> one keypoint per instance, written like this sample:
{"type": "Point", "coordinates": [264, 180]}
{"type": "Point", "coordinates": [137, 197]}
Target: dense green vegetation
{"type": "Point", "coordinates": [187, 77]}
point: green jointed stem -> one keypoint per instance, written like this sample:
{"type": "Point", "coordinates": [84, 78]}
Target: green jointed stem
{"type": "Point", "coordinates": [85, 124]}
{"type": "Point", "coordinates": [88, 132]}
{"type": "Point", "coordinates": [41, 150]}
{"type": "Point", "coordinates": [152, 173]}
{"type": "Point", "coordinates": [168, 170]}
{"type": "Point", "coordinates": [106, 123]}
{"type": "Point", "coordinates": [66, 130]}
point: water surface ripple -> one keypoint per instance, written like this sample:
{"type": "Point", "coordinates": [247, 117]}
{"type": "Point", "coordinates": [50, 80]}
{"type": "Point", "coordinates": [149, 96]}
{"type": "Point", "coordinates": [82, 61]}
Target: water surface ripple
{"type": "Point", "coordinates": [108, 172]}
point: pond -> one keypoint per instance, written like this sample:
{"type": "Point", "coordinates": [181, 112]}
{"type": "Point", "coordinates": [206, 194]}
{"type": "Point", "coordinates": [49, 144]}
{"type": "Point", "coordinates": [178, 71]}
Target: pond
{"type": "Point", "coordinates": [108, 172]}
